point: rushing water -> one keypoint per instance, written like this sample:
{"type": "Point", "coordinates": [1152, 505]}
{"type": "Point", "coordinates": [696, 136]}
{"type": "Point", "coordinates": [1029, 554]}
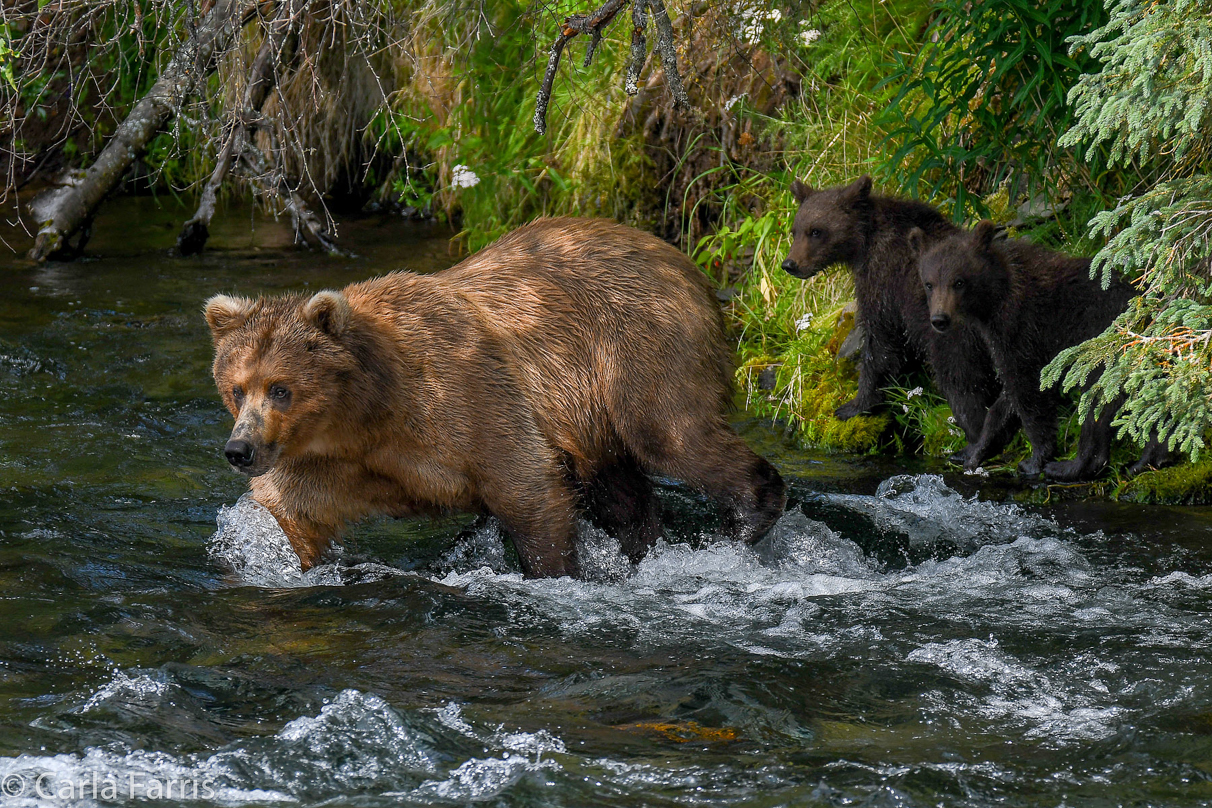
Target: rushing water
{"type": "Point", "coordinates": [895, 641]}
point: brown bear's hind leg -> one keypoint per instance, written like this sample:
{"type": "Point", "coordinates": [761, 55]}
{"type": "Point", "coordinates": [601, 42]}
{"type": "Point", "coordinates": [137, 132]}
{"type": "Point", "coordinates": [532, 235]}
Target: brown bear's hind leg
{"type": "Point", "coordinates": [620, 500]}
{"type": "Point", "coordinates": [711, 458]}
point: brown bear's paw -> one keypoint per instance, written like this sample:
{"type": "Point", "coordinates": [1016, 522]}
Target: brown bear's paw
{"type": "Point", "coordinates": [1154, 456]}
{"type": "Point", "coordinates": [770, 500]}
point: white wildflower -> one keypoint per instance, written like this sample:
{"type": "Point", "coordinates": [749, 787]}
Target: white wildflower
{"type": "Point", "coordinates": [905, 407]}
{"type": "Point", "coordinates": [463, 177]}
{"type": "Point", "coordinates": [917, 391]}
{"type": "Point", "coordinates": [951, 419]}
{"type": "Point", "coordinates": [808, 37]}
{"type": "Point", "coordinates": [803, 323]}
{"type": "Point", "coordinates": [731, 102]}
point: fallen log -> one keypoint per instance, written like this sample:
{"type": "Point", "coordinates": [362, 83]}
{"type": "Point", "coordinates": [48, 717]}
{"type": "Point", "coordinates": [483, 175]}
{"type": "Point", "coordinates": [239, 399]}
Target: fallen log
{"type": "Point", "coordinates": [71, 208]}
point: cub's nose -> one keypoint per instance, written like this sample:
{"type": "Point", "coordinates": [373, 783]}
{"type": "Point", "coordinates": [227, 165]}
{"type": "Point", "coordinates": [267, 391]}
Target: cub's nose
{"type": "Point", "coordinates": [239, 453]}
{"type": "Point", "coordinates": [790, 266]}
{"type": "Point", "coordinates": [941, 322]}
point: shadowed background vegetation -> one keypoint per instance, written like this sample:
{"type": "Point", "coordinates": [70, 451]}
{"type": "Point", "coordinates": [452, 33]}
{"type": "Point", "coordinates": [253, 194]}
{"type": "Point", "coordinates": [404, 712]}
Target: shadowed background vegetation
{"type": "Point", "coordinates": [1081, 126]}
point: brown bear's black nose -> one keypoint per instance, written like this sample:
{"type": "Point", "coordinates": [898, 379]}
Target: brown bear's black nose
{"type": "Point", "coordinates": [239, 453]}
{"type": "Point", "coordinates": [790, 266]}
{"type": "Point", "coordinates": [941, 322]}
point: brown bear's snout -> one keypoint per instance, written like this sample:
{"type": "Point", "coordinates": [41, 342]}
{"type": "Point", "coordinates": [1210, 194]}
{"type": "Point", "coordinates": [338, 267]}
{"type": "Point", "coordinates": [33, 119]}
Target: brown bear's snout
{"type": "Point", "coordinates": [240, 453]}
{"type": "Point", "coordinates": [940, 322]}
{"type": "Point", "coordinates": [790, 266]}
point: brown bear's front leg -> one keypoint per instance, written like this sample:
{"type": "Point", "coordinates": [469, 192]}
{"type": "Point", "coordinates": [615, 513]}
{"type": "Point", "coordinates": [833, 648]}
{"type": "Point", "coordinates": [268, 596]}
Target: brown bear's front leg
{"type": "Point", "coordinates": [309, 539]}
{"type": "Point", "coordinates": [880, 361]}
{"type": "Point", "coordinates": [538, 513]}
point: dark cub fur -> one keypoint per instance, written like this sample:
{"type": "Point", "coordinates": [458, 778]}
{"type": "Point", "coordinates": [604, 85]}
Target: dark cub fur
{"type": "Point", "coordinates": [1028, 304]}
{"type": "Point", "coordinates": [849, 225]}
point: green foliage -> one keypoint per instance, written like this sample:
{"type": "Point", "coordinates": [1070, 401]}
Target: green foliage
{"type": "Point", "coordinates": [982, 104]}
{"type": "Point", "coordinates": [475, 111]}
{"type": "Point", "coordinates": [921, 413]}
{"type": "Point", "coordinates": [1149, 105]}
{"type": "Point", "coordinates": [1188, 484]}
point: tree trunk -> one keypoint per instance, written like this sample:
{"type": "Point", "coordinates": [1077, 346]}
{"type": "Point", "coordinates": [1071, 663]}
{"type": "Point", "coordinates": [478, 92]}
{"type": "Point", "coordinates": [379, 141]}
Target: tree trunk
{"type": "Point", "coordinates": [72, 207]}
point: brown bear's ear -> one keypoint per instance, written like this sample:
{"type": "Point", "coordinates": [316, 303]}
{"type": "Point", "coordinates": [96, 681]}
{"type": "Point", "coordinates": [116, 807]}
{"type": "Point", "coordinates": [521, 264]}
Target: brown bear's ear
{"type": "Point", "coordinates": [860, 189]}
{"type": "Point", "coordinates": [328, 311]}
{"type": "Point", "coordinates": [801, 191]}
{"type": "Point", "coordinates": [986, 232]}
{"type": "Point", "coordinates": [225, 312]}
{"type": "Point", "coordinates": [917, 241]}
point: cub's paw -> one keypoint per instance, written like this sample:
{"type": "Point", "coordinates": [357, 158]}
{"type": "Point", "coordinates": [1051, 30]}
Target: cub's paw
{"type": "Point", "coordinates": [1069, 471]}
{"type": "Point", "coordinates": [852, 408]}
{"type": "Point", "coordinates": [1031, 467]}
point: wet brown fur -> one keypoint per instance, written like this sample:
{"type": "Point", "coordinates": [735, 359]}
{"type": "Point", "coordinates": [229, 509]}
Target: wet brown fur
{"type": "Point", "coordinates": [550, 372]}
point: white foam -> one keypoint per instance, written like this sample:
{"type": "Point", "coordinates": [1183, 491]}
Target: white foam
{"type": "Point", "coordinates": [928, 511]}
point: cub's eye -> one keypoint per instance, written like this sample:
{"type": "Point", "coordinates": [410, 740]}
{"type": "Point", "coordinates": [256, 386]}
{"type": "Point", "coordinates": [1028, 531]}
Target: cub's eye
{"type": "Point", "coordinates": [815, 233]}
{"type": "Point", "coordinates": [237, 393]}
{"type": "Point", "coordinates": [279, 393]}
{"type": "Point", "coordinates": [958, 284]}
{"type": "Point", "coordinates": [929, 286]}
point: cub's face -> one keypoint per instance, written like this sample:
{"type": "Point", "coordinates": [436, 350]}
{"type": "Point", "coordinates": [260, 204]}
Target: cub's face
{"type": "Point", "coordinates": [828, 226]}
{"type": "Point", "coordinates": [278, 366]}
{"type": "Point", "coordinates": [960, 274]}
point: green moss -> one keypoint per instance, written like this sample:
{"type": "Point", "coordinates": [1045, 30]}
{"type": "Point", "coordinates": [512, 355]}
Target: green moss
{"type": "Point", "coordinates": [1185, 484]}
{"type": "Point", "coordinates": [809, 383]}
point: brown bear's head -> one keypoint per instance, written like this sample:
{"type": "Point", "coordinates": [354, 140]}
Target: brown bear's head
{"type": "Point", "coordinates": [279, 366]}
{"type": "Point", "coordinates": [830, 226]}
{"type": "Point", "coordinates": [965, 274]}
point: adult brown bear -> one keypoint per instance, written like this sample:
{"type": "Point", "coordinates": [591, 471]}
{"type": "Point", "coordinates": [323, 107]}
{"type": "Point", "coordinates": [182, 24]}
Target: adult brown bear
{"type": "Point", "coordinates": [546, 374]}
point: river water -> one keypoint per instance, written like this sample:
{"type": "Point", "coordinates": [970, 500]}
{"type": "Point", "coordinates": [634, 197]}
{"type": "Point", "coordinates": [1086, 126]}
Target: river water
{"type": "Point", "coordinates": [900, 639]}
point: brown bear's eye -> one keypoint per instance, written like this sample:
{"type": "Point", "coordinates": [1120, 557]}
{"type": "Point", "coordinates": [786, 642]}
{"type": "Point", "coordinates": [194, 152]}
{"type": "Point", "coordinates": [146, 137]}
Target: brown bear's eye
{"type": "Point", "coordinates": [958, 284]}
{"type": "Point", "coordinates": [237, 393]}
{"type": "Point", "coordinates": [814, 233]}
{"type": "Point", "coordinates": [279, 393]}
{"type": "Point", "coordinates": [929, 286]}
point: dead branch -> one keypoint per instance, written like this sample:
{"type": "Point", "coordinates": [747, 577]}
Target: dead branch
{"type": "Point", "coordinates": [72, 207]}
{"type": "Point", "coordinates": [594, 24]}
{"type": "Point", "coordinates": [309, 228]}
{"type": "Point", "coordinates": [281, 40]}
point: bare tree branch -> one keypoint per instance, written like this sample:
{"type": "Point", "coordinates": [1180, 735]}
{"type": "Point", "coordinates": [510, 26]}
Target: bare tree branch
{"type": "Point", "coordinates": [281, 40]}
{"type": "Point", "coordinates": [593, 24]}
{"type": "Point", "coordinates": [73, 206]}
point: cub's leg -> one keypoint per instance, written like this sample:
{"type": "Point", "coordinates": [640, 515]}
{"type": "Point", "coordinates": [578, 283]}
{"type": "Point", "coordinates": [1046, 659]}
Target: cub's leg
{"type": "Point", "coordinates": [620, 500]}
{"type": "Point", "coordinates": [1000, 425]}
{"type": "Point", "coordinates": [1093, 447]}
{"type": "Point", "coordinates": [1155, 455]}
{"type": "Point", "coordinates": [709, 456]}
{"type": "Point", "coordinates": [881, 359]}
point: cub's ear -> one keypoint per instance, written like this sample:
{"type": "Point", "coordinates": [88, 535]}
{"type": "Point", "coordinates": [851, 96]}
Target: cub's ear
{"type": "Point", "coordinates": [801, 191]}
{"type": "Point", "coordinates": [917, 241]}
{"type": "Point", "coordinates": [860, 189]}
{"type": "Point", "coordinates": [225, 312]}
{"type": "Point", "coordinates": [986, 233]}
{"type": "Point", "coordinates": [328, 311]}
